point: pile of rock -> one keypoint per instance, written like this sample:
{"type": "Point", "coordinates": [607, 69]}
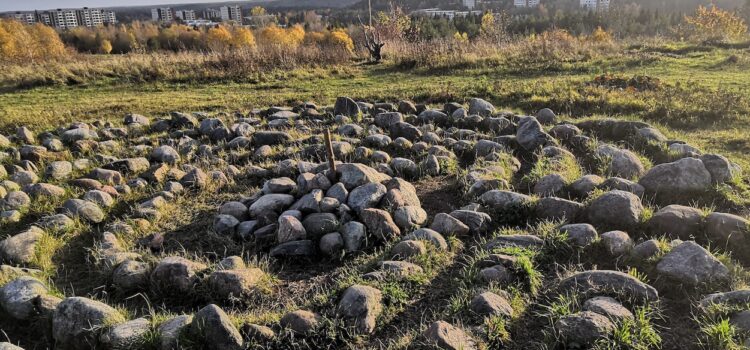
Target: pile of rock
{"type": "Point", "coordinates": [314, 214]}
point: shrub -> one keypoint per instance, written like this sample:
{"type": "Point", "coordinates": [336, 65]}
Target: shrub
{"type": "Point", "coordinates": [21, 43]}
{"type": "Point", "coordinates": [714, 24]}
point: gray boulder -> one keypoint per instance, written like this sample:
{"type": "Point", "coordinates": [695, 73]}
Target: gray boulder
{"type": "Point", "coordinates": [687, 175]}
{"type": "Point", "coordinates": [615, 210]}
{"type": "Point", "coordinates": [76, 322]}
{"type": "Point", "coordinates": [215, 329]}
{"type": "Point", "coordinates": [692, 265]}
{"type": "Point", "coordinates": [127, 335]}
{"type": "Point", "coordinates": [360, 307]}
{"type": "Point", "coordinates": [583, 329]}
{"type": "Point", "coordinates": [602, 281]}
{"type": "Point", "coordinates": [443, 335]}
{"type": "Point", "coordinates": [677, 221]}
{"type": "Point", "coordinates": [17, 297]}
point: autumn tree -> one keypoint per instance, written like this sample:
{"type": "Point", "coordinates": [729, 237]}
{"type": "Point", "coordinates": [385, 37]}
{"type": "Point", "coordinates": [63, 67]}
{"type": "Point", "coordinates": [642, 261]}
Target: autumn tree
{"type": "Point", "coordinates": [243, 37]}
{"type": "Point", "coordinates": [105, 47]}
{"type": "Point", "coordinates": [22, 43]}
{"type": "Point", "coordinates": [713, 23]}
{"type": "Point", "coordinates": [339, 38]}
{"type": "Point", "coordinates": [218, 38]}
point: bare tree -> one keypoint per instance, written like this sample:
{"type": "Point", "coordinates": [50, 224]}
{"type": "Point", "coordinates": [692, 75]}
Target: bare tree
{"type": "Point", "coordinates": [372, 42]}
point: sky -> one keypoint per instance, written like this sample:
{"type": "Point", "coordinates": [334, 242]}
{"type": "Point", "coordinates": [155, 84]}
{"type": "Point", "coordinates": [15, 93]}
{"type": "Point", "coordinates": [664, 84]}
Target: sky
{"type": "Point", "coordinates": [25, 5]}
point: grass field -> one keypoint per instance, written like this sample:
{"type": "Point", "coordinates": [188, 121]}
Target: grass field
{"type": "Point", "coordinates": [702, 94]}
{"type": "Point", "coordinates": [699, 94]}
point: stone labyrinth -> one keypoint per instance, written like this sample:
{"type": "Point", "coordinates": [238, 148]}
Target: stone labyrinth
{"type": "Point", "coordinates": [457, 227]}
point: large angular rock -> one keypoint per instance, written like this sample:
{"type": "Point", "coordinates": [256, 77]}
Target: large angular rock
{"type": "Point", "coordinates": [21, 248]}
{"type": "Point", "coordinates": [677, 221]}
{"type": "Point", "coordinates": [583, 329]}
{"type": "Point", "coordinates": [17, 297]}
{"type": "Point", "coordinates": [408, 217]}
{"type": "Point", "coordinates": [353, 175]}
{"type": "Point", "coordinates": [226, 284]}
{"type": "Point", "coordinates": [530, 134]}
{"type": "Point", "coordinates": [692, 265]}
{"type": "Point", "coordinates": [76, 322]}
{"type": "Point", "coordinates": [215, 329]}
{"type": "Point", "coordinates": [719, 167]}
{"type": "Point", "coordinates": [448, 225]}
{"type": "Point", "coordinates": [580, 235]}
{"type": "Point", "coordinates": [687, 175]}
{"type": "Point", "coordinates": [293, 249]}
{"type": "Point", "coordinates": [360, 306]}
{"type": "Point", "coordinates": [347, 107]}
{"type": "Point", "coordinates": [176, 275]}
{"type": "Point", "coordinates": [171, 330]}
{"type": "Point", "coordinates": [84, 209]}
{"type": "Point", "coordinates": [557, 209]}
{"type": "Point", "coordinates": [445, 336]}
{"type": "Point", "coordinates": [504, 200]}
{"type": "Point", "coordinates": [270, 138]}
{"type": "Point", "coordinates": [301, 321]}
{"type": "Point", "coordinates": [608, 307]}
{"type": "Point", "coordinates": [290, 229]}
{"type": "Point", "coordinates": [366, 196]}
{"type": "Point", "coordinates": [603, 281]}
{"type": "Point", "coordinates": [621, 162]}
{"type": "Point", "coordinates": [615, 210]}
{"type": "Point", "coordinates": [127, 335]}
{"type": "Point", "coordinates": [379, 223]}
{"type": "Point", "coordinates": [480, 107]}
{"type": "Point", "coordinates": [491, 304]}
{"type": "Point", "coordinates": [270, 203]}
{"type": "Point", "coordinates": [407, 190]}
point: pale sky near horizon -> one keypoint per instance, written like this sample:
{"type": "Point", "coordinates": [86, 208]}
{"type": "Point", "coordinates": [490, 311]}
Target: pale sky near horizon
{"type": "Point", "coordinates": [28, 5]}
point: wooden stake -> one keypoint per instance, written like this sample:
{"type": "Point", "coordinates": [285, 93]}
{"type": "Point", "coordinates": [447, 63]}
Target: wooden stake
{"type": "Point", "coordinates": [331, 158]}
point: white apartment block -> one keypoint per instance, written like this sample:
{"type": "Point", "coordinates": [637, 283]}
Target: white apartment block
{"type": "Point", "coordinates": [526, 3]}
{"type": "Point", "coordinates": [90, 17]}
{"type": "Point", "coordinates": [595, 5]}
{"type": "Point", "coordinates": [186, 15]}
{"type": "Point", "coordinates": [470, 4]}
{"type": "Point", "coordinates": [68, 18]}
{"type": "Point", "coordinates": [26, 18]}
{"type": "Point", "coordinates": [109, 17]}
{"type": "Point", "coordinates": [162, 14]}
{"type": "Point", "coordinates": [211, 14]}
{"type": "Point", "coordinates": [64, 19]}
{"type": "Point", "coordinates": [231, 13]}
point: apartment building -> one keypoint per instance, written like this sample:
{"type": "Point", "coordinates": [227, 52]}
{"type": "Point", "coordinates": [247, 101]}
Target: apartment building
{"type": "Point", "coordinates": [211, 14]}
{"type": "Point", "coordinates": [27, 18]}
{"type": "Point", "coordinates": [162, 14]}
{"type": "Point", "coordinates": [64, 19]}
{"type": "Point", "coordinates": [526, 3]}
{"type": "Point", "coordinates": [231, 13]}
{"type": "Point", "coordinates": [186, 15]}
{"type": "Point", "coordinates": [595, 5]}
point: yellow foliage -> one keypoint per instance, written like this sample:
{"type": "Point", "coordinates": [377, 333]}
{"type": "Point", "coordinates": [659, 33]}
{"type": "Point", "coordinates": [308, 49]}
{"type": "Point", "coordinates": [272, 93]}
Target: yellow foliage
{"type": "Point", "coordinates": [315, 38]}
{"type": "Point", "coordinates": [105, 47]}
{"type": "Point", "coordinates": [600, 35]}
{"type": "Point", "coordinates": [461, 37]}
{"type": "Point", "coordinates": [257, 11]}
{"type": "Point", "coordinates": [243, 37]}
{"type": "Point", "coordinates": [290, 37]}
{"type": "Point", "coordinates": [488, 23]}
{"type": "Point", "coordinates": [715, 23]}
{"type": "Point", "coordinates": [22, 43]}
{"type": "Point", "coordinates": [340, 38]}
{"type": "Point", "coordinates": [218, 37]}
